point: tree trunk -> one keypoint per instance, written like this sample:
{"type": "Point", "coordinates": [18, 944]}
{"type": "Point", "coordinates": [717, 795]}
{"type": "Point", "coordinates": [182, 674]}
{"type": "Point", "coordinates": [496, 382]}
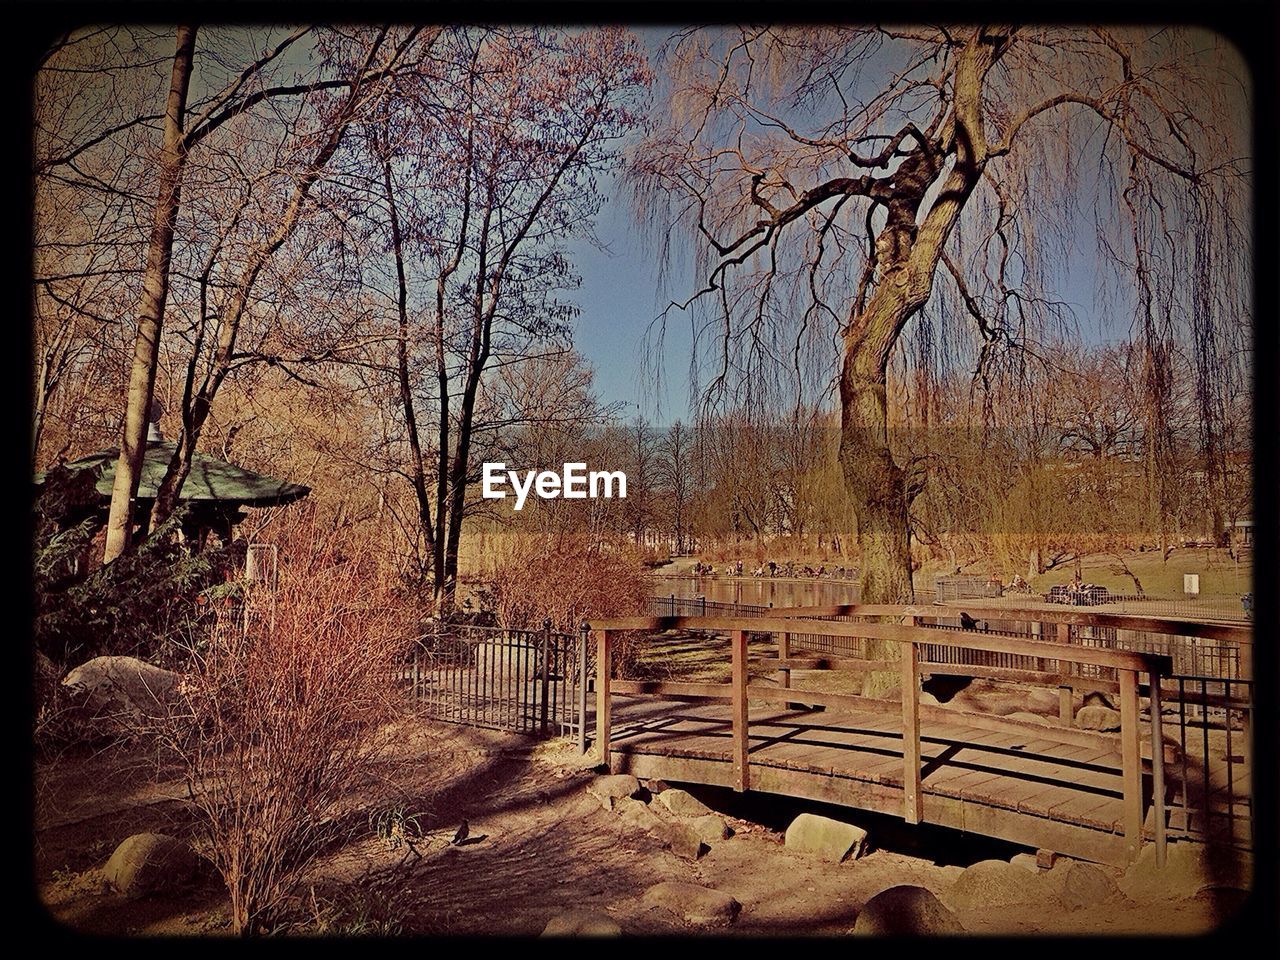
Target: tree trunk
{"type": "Point", "coordinates": [155, 291]}
{"type": "Point", "coordinates": [877, 486]}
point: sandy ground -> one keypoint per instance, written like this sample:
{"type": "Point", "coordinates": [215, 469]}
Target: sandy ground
{"type": "Point", "coordinates": [541, 845]}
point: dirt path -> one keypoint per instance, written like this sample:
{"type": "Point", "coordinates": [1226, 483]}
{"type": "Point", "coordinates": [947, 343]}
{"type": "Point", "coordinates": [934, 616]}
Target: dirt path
{"type": "Point", "coordinates": [539, 845]}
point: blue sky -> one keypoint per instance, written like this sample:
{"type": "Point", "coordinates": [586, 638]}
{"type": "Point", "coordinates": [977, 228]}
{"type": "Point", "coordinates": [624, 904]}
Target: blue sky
{"type": "Point", "coordinates": [620, 297]}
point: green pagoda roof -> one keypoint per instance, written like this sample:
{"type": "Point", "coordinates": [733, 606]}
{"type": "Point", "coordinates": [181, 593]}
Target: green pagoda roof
{"type": "Point", "coordinates": [210, 479]}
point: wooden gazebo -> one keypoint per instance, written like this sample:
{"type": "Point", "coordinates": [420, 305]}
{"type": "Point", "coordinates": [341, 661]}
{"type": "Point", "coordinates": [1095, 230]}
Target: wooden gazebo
{"type": "Point", "coordinates": [216, 491]}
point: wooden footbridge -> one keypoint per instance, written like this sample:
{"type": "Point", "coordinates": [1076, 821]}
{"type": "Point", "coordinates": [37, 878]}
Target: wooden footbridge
{"type": "Point", "coordinates": [1088, 794]}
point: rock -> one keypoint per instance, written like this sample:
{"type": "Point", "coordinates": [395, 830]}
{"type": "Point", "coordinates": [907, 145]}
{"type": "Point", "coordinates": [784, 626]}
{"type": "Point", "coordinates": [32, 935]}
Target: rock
{"type": "Point", "coordinates": [1190, 868]}
{"type": "Point", "coordinates": [149, 863]}
{"type": "Point", "coordinates": [1030, 718]}
{"type": "Point", "coordinates": [683, 804]}
{"type": "Point", "coordinates": [656, 787]}
{"type": "Point", "coordinates": [1097, 718]}
{"type": "Point", "coordinates": [122, 690]}
{"type": "Point", "coordinates": [695, 904]}
{"type": "Point", "coordinates": [906, 911]}
{"type": "Point", "coordinates": [994, 883]}
{"type": "Point", "coordinates": [1084, 884]}
{"type": "Point", "coordinates": [822, 837]}
{"type": "Point", "coordinates": [581, 923]}
{"type": "Point", "coordinates": [609, 790]}
{"type": "Point", "coordinates": [636, 813]}
{"type": "Point", "coordinates": [1027, 861]}
{"type": "Point", "coordinates": [710, 828]}
{"type": "Point", "coordinates": [685, 841]}
{"type": "Point", "coordinates": [1096, 698]}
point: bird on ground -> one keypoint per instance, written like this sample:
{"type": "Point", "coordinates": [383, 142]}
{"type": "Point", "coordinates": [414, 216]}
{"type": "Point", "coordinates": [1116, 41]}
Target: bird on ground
{"type": "Point", "coordinates": [967, 621]}
{"type": "Point", "coordinates": [462, 834]}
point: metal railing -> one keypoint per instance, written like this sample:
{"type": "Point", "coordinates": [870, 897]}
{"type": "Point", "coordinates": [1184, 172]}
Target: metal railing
{"type": "Point", "coordinates": [526, 681]}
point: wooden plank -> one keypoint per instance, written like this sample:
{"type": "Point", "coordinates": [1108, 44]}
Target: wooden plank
{"type": "Point", "coordinates": [669, 688]}
{"type": "Point", "coordinates": [912, 801]}
{"type": "Point", "coordinates": [1131, 755]}
{"type": "Point", "coordinates": [1175, 626]}
{"type": "Point", "coordinates": [902, 633]}
{"type": "Point", "coordinates": [741, 746]}
{"type": "Point", "coordinates": [604, 667]}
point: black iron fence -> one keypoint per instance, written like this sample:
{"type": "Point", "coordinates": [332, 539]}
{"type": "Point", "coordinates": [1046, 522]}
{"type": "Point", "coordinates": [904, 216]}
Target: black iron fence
{"type": "Point", "coordinates": [527, 681]}
{"type": "Point", "coordinates": [1211, 784]}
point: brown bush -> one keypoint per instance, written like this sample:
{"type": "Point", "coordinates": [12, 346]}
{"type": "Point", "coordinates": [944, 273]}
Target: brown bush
{"type": "Point", "coordinates": [279, 714]}
{"type": "Point", "coordinates": [567, 579]}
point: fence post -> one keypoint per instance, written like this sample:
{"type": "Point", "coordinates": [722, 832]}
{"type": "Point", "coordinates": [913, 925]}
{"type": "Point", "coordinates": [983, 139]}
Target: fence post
{"type": "Point", "coordinates": [1157, 766]}
{"type": "Point", "coordinates": [702, 599]}
{"type": "Point", "coordinates": [784, 653]}
{"type": "Point", "coordinates": [545, 673]}
{"type": "Point", "coordinates": [913, 805]}
{"type": "Point", "coordinates": [604, 667]}
{"type": "Point", "coordinates": [741, 759]}
{"type": "Point", "coordinates": [1131, 760]}
{"type": "Point", "coordinates": [913, 799]}
{"type": "Point", "coordinates": [584, 635]}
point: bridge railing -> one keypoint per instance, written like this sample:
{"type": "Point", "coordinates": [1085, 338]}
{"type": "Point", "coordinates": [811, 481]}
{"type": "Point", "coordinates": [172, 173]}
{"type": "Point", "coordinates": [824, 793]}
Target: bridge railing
{"type": "Point", "coordinates": [911, 638]}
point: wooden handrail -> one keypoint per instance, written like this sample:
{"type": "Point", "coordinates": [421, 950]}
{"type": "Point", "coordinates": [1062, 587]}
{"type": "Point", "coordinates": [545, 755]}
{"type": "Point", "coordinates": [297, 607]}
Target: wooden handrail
{"type": "Point", "coordinates": [1177, 626]}
{"type": "Point", "coordinates": [905, 634]}
{"type": "Point", "coordinates": [1128, 664]}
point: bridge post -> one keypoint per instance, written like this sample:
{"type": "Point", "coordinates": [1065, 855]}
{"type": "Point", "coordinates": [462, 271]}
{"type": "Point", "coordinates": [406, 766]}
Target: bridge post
{"type": "Point", "coordinates": [1157, 767]}
{"type": "Point", "coordinates": [1131, 760]}
{"type": "Point", "coordinates": [741, 760]}
{"type": "Point", "coordinates": [784, 653]}
{"type": "Point", "coordinates": [604, 668]}
{"type": "Point", "coordinates": [912, 796]}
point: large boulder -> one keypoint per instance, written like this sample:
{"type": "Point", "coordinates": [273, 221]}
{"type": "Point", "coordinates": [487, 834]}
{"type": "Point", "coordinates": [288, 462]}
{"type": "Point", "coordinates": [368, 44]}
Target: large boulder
{"type": "Point", "coordinates": [1189, 869]}
{"type": "Point", "coordinates": [995, 883]}
{"type": "Point", "coordinates": [1097, 717]}
{"type": "Point", "coordinates": [609, 790]}
{"type": "Point", "coordinates": [150, 863]}
{"type": "Point", "coordinates": [693, 903]}
{"type": "Point", "coordinates": [638, 815]}
{"type": "Point", "coordinates": [1082, 884]}
{"type": "Point", "coordinates": [684, 841]}
{"type": "Point", "coordinates": [683, 804]}
{"type": "Point", "coordinates": [906, 911]}
{"type": "Point", "coordinates": [581, 923]}
{"type": "Point", "coordinates": [710, 828]}
{"type": "Point", "coordinates": [823, 837]}
{"type": "Point", "coordinates": [122, 690]}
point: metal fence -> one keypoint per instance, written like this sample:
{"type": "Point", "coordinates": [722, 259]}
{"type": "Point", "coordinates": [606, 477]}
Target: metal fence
{"type": "Point", "coordinates": [526, 681]}
{"type": "Point", "coordinates": [1211, 778]}
{"type": "Point", "coordinates": [674, 606]}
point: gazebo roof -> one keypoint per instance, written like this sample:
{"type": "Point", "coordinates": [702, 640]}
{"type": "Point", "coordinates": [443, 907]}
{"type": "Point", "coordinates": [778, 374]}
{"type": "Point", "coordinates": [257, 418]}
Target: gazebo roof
{"type": "Point", "coordinates": [210, 479]}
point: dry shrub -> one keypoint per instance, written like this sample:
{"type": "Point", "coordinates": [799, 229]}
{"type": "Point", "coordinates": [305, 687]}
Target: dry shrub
{"type": "Point", "coordinates": [275, 723]}
{"type": "Point", "coordinates": [567, 579]}
{"type": "Point", "coordinates": [570, 578]}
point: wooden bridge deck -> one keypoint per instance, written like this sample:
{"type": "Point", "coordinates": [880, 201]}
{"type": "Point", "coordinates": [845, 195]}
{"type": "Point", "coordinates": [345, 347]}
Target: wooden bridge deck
{"type": "Point", "coordinates": [1015, 786]}
{"type": "Point", "coordinates": [1090, 795]}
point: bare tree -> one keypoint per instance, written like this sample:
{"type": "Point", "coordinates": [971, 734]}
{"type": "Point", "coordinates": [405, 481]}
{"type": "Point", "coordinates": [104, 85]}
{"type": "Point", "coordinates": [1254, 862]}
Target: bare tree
{"type": "Point", "coordinates": [485, 167]}
{"type": "Point", "coordinates": [932, 167]}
